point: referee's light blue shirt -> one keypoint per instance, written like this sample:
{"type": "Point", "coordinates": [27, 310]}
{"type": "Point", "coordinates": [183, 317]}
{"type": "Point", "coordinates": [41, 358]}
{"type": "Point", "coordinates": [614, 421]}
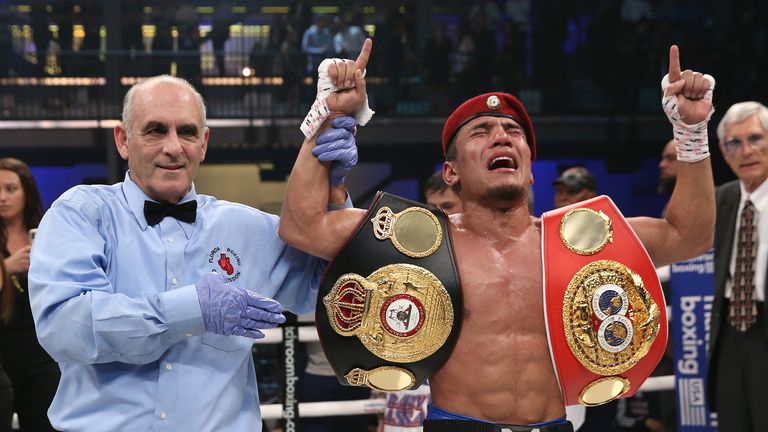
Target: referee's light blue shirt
{"type": "Point", "coordinates": [115, 304]}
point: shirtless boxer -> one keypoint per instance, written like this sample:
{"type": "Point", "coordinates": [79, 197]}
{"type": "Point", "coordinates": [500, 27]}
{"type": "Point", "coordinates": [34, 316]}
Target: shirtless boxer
{"type": "Point", "coordinates": [500, 369]}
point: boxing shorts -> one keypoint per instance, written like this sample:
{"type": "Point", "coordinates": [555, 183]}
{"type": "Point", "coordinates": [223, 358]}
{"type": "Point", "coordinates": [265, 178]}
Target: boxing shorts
{"type": "Point", "coordinates": [604, 308]}
{"type": "Point", "coordinates": [389, 306]}
{"type": "Point", "coordinates": [440, 420]}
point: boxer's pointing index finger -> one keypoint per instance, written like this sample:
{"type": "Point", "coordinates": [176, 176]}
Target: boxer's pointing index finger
{"type": "Point", "coordinates": [674, 63]}
{"type": "Point", "coordinates": [365, 53]}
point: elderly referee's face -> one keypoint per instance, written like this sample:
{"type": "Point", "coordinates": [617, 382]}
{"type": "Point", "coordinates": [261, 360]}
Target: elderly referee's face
{"type": "Point", "coordinates": [167, 141]}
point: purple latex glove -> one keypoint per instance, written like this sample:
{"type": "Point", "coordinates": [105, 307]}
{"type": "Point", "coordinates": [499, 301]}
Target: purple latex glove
{"type": "Point", "coordinates": [230, 310]}
{"type": "Point", "coordinates": [337, 145]}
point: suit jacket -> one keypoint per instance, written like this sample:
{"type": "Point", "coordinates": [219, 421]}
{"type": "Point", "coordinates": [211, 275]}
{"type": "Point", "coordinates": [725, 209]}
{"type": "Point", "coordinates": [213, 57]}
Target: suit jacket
{"type": "Point", "coordinates": [727, 200]}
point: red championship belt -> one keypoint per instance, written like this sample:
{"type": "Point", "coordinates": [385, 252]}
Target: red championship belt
{"type": "Point", "coordinates": [605, 310]}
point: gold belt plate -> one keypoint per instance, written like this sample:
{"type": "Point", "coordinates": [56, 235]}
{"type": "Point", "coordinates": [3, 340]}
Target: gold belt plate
{"type": "Point", "coordinates": [415, 231]}
{"type": "Point", "coordinates": [610, 319]}
{"type": "Point", "coordinates": [585, 231]}
{"type": "Point", "coordinates": [401, 312]}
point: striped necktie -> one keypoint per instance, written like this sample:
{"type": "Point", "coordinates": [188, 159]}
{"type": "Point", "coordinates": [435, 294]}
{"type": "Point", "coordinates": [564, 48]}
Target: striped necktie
{"type": "Point", "coordinates": [743, 307]}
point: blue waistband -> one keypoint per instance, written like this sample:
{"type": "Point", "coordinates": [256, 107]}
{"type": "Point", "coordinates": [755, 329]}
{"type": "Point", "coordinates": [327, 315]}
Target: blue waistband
{"type": "Point", "coordinates": [435, 413]}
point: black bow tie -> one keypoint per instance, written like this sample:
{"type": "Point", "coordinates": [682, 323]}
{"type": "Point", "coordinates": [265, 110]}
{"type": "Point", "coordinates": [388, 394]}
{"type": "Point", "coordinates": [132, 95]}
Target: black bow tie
{"type": "Point", "coordinates": [155, 212]}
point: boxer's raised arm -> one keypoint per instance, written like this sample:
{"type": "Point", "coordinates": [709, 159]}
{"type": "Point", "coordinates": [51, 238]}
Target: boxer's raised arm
{"type": "Point", "coordinates": [688, 229]}
{"type": "Point", "coordinates": [305, 221]}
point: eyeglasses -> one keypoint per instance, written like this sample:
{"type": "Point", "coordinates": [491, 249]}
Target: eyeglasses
{"type": "Point", "coordinates": [756, 142]}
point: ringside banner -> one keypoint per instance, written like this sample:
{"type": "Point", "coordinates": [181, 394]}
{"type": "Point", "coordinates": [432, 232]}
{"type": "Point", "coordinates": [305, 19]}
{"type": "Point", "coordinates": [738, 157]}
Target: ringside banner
{"type": "Point", "coordinates": [693, 288]}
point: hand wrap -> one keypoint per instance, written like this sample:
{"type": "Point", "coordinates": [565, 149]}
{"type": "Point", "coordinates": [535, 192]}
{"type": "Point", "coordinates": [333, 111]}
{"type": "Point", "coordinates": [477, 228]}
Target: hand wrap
{"type": "Point", "coordinates": [691, 141]}
{"type": "Point", "coordinates": [319, 110]}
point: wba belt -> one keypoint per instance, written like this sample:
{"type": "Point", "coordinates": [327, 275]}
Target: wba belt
{"type": "Point", "coordinates": [389, 306]}
{"type": "Point", "coordinates": [605, 310]}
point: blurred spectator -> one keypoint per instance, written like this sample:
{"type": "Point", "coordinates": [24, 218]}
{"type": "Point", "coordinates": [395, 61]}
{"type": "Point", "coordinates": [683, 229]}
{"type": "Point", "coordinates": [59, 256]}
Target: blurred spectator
{"type": "Point", "coordinates": [633, 11]}
{"type": "Point", "coordinates": [187, 55]}
{"type": "Point", "coordinates": [6, 390]}
{"type": "Point", "coordinates": [518, 11]}
{"type": "Point", "coordinates": [668, 169]}
{"type": "Point", "coordinates": [41, 35]}
{"type": "Point", "coordinates": [511, 58]}
{"type": "Point", "coordinates": [86, 61]}
{"type": "Point", "coordinates": [349, 37]}
{"type": "Point", "coordinates": [551, 63]}
{"type": "Point", "coordinates": [222, 19]}
{"type": "Point", "coordinates": [317, 43]}
{"type": "Point", "coordinates": [64, 17]}
{"type": "Point", "coordinates": [396, 56]}
{"type": "Point", "coordinates": [464, 62]}
{"type": "Point", "coordinates": [33, 373]}
{"type": "Point", "coordinates": [485, 52]}
{"type": "Point", "coordinates": [132, 17]}
{"type": "Point", "coordinates": [639, 413]}
{"type": "Point", "coordinates": [291, 66]}
{"type": "Point", "coordinates": [438, 194]}
{"type": "Point", "coordinates": [574, 184]}
{"type": "Point", "coordinates": [162, 48]}
{"type": "Point", "coordinates": [531, 203]}
{"type": "Point", "coordinates": [437, 64]}
{"type": "Point", "coordinates": [490, 11]}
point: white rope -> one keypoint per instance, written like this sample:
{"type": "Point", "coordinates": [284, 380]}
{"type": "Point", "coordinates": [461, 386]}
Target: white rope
{"type": "Point", "coordinates": [308, 333]}
{"type": "Point", "coordinates": [376, 406]}
{"type": "Point", "coordinates": [275, 335]}
{"type": "Point", "coordinates": [323, 409]}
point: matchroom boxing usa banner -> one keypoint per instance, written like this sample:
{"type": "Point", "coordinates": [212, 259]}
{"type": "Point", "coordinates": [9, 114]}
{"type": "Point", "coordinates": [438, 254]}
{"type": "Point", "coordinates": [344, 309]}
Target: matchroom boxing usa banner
{"type": "Point", "coordinates": [693, 288]}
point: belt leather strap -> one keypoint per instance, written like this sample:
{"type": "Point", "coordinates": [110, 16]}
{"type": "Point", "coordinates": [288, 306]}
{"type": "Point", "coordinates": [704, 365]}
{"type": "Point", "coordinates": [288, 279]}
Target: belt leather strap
{"type": "Point", "coordinates": [475, 426]}
{"type": "Point", "coordinates": [379, 299]}
{"type": "Point", "coordinates": [605, 310]}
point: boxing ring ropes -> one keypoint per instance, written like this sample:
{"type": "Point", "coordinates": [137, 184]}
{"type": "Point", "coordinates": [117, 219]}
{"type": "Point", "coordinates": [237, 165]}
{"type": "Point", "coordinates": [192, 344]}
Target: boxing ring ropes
{"type": "Point", "coordinates": [303, 332]}
{"type": "Point", "coordinates": [308, 333]}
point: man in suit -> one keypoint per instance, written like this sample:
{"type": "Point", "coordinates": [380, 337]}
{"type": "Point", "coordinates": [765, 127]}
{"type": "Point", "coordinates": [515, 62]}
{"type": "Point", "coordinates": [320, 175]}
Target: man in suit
{"type": "Point", "coordinates": [738, 377]}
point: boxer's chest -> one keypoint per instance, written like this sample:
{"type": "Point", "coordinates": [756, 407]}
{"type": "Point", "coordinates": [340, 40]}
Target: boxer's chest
{"type": "Point", "coordinates": [501, 283]}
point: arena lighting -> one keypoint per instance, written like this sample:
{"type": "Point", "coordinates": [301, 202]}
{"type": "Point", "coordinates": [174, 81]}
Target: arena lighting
{"type": "Point", "coordinates": [54, 82]}
{"type": "Point", "coordinates": [275, 9]}
{"type": "Point", "coordinates": [325, 10]}
{"type": "Point", "coordinates": [242, 81]}
{"type": "Point", "coordinates": [247, 71]}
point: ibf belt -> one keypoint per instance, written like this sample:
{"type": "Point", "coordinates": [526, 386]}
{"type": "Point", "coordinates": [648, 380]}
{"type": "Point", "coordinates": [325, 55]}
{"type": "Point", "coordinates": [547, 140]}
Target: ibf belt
{"type": "Point", "coordinates": [388, 311]}
{"type": "Point", "coordinates": [605, 310]}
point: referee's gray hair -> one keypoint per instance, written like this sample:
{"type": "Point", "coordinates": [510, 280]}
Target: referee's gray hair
{"type": "Point", "coordinates": [741, 111]}
{"type": "Point", "coordinates": [128, 100]}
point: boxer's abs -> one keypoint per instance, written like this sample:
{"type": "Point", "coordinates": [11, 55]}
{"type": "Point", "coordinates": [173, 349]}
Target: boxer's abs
{"type": "Point", "coordinates": [500, 369]}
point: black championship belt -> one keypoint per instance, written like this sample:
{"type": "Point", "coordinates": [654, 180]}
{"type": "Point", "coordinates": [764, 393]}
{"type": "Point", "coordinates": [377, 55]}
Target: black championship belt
{"type": "Point", "coordinates": [389, 307]}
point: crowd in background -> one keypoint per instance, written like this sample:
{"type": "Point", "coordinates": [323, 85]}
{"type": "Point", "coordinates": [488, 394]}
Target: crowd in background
{"type": "Point", "coordinates": [601, 55]}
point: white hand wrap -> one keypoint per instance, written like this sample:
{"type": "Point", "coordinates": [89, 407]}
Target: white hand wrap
{"type": "Point", "coordinates": [319, 110]}
{"type": "Point", "coordinates": [691, 141]}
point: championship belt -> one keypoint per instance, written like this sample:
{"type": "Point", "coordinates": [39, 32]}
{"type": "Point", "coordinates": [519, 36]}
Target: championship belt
{"type": "Point", "coordinates": [605, 310]}
{"type": "Point", "coordinates": [389, 307]}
